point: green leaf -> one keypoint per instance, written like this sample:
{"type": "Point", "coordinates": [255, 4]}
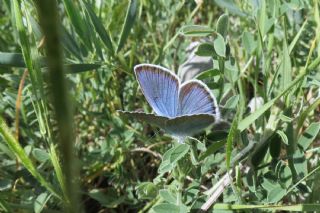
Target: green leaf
{"type": "Point", "coordinates": [275, 146]}
{"type": "Point", "coordinates": [283, 136]}
{"type": "Point", "coordinates": [232, 102]}
{"type": "Point", "coordinates": [212, 149]}
{"type": "Point", "coordinates": [40, 154]}
{"type": "Point", "coordinates": [276, 194]}
{"type": "Point", "coordinates": [109, 198]}
{"type": "Point", "coordinates": [146, 190]}
{"type": "Point", "coordinates": [103, 34]}
{"type": "Point", "coordinates": [231, 6]}
{"type": "Point", "coordinates": [169, 207]}
{"type": "Point", "coordinates": [168, 196]}
{"type": "Point", "coordinates": [248, 42]}
{"type": "Point", "coordinates": [128, 23]}
{"type": "Point", "coordinates": [222, 25]}
{"type": "Point", "coordinates": [285, 176]}
{"type": "Point", "coordinates": [259, 154]}
{"type": "Point", "coordinates": [269, 181]}
{"type": "Point", "coordinates": [208, 74]}
{"type": "Point", "coordinates": [205, 49]}
{"type": "Point", "coordinates": [41, 201]}
{"type": "Point", "coordinates": [196, 30]}
{"type": "Point", "coordinates": [309, 135]}
{"type": "Point", "coordinates": [179, 152]}
{"type": "Point", "coordinates": [285, 118]}
{"type": "Point", "coordinates": [220, 46]}
{"type": "Point", "coordinates": [300, 163]}
{"type": "Point", "coordinates": [166, 165]}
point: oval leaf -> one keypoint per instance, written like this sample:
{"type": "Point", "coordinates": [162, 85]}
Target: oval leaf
{"type": "Point", "coordinates": [220, 45]}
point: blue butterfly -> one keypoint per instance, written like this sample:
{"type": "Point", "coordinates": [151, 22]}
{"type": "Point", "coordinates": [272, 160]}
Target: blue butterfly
{"type": "Point", "coordinates": [180, 109]}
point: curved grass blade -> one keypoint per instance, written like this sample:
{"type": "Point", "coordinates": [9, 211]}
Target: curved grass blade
{"type": "Point", "coordinates": [243, 124]}
{"type": "Point", "coordinates": [12, 60]}
{"type": "Point", "coordinates": [103, 34]}
{"type": "Point", "coordinates": [78, 22]}
{"type": "Point", "coordinates": [128, 23]}
{"type": "Point", "coordinates": [305, 113]}
{"type": "Point", "coordinates": [18, 150]}
{"type": "Point", "coordinates": [16, 60]}
{"type": "Point", "coordinates": [70, 44]}
{"type": "Point", "coordinates": [78, 68]}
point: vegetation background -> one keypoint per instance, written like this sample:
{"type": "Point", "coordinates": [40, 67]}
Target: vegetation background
{"type": "Point", "coordinates": [66, 67]}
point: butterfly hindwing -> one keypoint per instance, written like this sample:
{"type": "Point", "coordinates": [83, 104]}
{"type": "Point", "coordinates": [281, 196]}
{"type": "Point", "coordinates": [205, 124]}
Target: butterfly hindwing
{"type": "Point", "coordinates": [159, 121]}
{"type": "Point", "coordinates": [179, 126]}
{"type": "Point", "coordinates": [195, 98]}
{"type": "Point", "coordinates": [188, 125]}
{"type": "Point", "coordinates": [160, 87]}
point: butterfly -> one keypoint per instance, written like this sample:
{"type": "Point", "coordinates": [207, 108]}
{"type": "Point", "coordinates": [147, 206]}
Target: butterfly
{"type": "Point", "coordinates": [181, 110]}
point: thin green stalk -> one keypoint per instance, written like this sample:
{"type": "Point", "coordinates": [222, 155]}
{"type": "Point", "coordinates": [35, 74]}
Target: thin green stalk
{"type": "Point", "coordinates": [302, 179]}
{"type": "Point", "coordinates": [48, 16]}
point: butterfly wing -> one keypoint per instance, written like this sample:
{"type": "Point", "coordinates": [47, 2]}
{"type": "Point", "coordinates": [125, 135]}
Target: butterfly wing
{"type": "Point", "coordinates": [189, 125]}
{"type": "Point", "coordinates": [181, 126]}
{"type": "Point", "coordinates": [159, 121]}
{"type": "Point", "coordinates": [196, 98]}
{"type": "Point", "coordinates": [160, 87]}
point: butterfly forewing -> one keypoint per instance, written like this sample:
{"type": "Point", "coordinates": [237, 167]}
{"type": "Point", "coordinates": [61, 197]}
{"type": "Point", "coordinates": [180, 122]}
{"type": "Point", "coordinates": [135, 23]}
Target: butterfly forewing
{"type": "Point", "coordinates": [195, 98]}
{"type": "Point", "coordinates": [160, 87]}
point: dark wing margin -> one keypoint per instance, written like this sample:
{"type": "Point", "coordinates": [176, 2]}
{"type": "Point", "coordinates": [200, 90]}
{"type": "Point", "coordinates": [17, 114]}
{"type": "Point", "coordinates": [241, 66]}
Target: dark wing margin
{"type": "Point", "coordinates": [195, 98]}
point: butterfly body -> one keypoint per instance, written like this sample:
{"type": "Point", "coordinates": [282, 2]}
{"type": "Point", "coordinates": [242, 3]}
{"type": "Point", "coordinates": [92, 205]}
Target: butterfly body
{"type": "Point", "coordinates": [181, 109]}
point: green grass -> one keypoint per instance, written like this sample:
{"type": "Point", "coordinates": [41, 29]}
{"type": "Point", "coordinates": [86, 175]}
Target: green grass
{"type": "Point", "coordinates": [73, 149]}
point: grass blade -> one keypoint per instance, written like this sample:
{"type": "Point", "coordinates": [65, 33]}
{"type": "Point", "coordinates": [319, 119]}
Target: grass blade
{"type": "Point", "coordinates": [11, 60]}
{"type": "Point", "coordinates": [18, 150]}
{"type": "Point", "coordinates": [128, 23]}
{"type": "Point", "coordinates": [296, 38]}
{"type": "Point", "coordinates": [103, 34]}
{"type": "Point", "coordinates": [299, 207]}
{"type": "Point", "coordinates": [243, 124]}
{"type": "Point", "coordinates": [77, 21]}
{"type": "Point", "coordinates": [230, 139]}
{"type": "Point", "coordinates": [16, 60]}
